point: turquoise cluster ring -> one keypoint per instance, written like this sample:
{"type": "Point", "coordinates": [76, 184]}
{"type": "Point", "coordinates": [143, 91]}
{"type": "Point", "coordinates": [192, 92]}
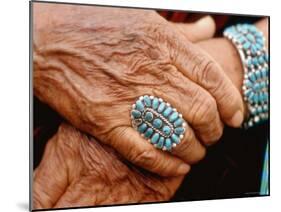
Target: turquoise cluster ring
{"type": "Point", "coordinates": [158, 122]}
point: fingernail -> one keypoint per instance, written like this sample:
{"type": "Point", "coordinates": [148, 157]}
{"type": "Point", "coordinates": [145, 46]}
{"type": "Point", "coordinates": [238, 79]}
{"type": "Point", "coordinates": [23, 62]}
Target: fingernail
{"type": "Point", "coordinates": [183, 169]}
{"type": "Point", "coordinates": [237, 119]}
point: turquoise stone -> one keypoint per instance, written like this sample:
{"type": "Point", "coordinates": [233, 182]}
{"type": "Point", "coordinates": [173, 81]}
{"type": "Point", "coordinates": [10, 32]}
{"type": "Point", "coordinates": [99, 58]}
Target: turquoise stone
{"type": "Point", "coordinates": [166, 130]}
{"type": "Point", "coordinates": [136, 114]}
{"type": "Point", "coordinates": [266, 97]}
{"type": "Point", "coordinates": [260, 41]}
{"type": "Point", "coordinates": [265, 108]}
{"type": "Point", "coordinates": [175, 139]}
{"type": "Point", "coordinates": [263, 73]}
{"type": "Point", "coordinates": [263, 85]}
{"type": "Point", "coordinates": [248, 83]}
{"type": "Point", "coordinates": [249, 63]}
{"type": "Point", "coordinates": [160, 142]}
{"type": "Point", "coordinates": [173, 117]}
{"type": "Point", "coordinates": [248, 92]}
{"type": "Point", "coordinates": [178, 122]}
{"type": "Point", "coordinates": [246, 45]}
{"type": "Point", "coordinates": [139, 105]}
{"type": "Point", "coordinates": [256, 98]}
{"type": "Point", "coordinates": [257, 87]}
{"type": "Point", "coordinates": [251, 95]}
{"type": "Point", "coordinates": [157, 123]}
{"type": "Point", "coordinates": [259, 46]}
{"type": "Point", "coordinates": [258, 74]}
{"type": "Point", "coordinates": [161, 107]}
{"type": "Point", "coordinates": [142, 127]}
{"type": "Point", "coordinates": [167, 111]}
{"type": "Point", "coordinates": [266, 57]}
{"type": "Point", "coordinates": [148, 116]}
{"type": "Point", "coordinates": [179, 130]}
{"type": "Point", "coordinates": [148, 133]}
{"type": "Point", "coordinates": [155, 103]}
{"type": "Point", "coordinates": [155, 138]}
{"type": "Point", "coordinates": [261, 60]}
{"type": "Point", "coordinates": [250, 37]}
{"type": "Point", "coordinates": [254, 49]}
{"type": "Point", "coordinates": [252, 76]}
{"type": "Point", "coordinates": [255, 61]}
{"type": "Point", "coordinates": [241, 39]}
{"type": "Point", "coordinates": [168, 144]}
{"type": "Point", "coordinates": [261, 97]}
{"type": "Point", "coordinates": [147, 101]}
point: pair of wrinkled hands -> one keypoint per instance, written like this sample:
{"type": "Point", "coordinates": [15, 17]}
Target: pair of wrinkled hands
{"type": "Point", "coordinates": [90, 65]}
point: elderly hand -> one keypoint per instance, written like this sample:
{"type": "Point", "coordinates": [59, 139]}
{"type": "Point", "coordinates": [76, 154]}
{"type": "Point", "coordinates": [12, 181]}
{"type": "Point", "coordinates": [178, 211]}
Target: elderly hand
{"type": "Point", "coordinates": [77, 171]}
{"type": "Point", "coordinates": [92, 63]}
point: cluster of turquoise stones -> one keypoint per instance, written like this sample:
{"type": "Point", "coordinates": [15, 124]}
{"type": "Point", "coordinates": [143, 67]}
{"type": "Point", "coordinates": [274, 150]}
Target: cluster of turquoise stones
{"type": "Point", "coordinates": [251, 47]}
{"type": "Point", "coordinates": [158, 122]}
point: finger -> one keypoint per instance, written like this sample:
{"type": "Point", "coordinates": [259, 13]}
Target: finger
{"type": "Point", "coordinates": [50, 178]}
{"type": "Point", "coordinates": [202, 29]}
{"type": "Point", "coordinates": [128, 142]}
{"type": "Point", "coordinates": [203, 70]}
{"type": "Point", "coordinates": [197, 106]}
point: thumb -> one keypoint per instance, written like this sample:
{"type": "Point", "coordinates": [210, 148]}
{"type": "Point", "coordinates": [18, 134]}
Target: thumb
{"type": "Point", "coordinates": [202, 29]}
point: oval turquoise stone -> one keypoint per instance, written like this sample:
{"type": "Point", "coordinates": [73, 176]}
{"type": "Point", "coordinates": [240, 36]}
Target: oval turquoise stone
{"type": "Point", "coordinates": [157, 123]}
{"type": "Point", "coordinates": [173, 117]}
{"type": "Point", "coordinates": [258, 74]}
{"type": "Point", "coordinates": [160, 142]}
{"type": "Point", "coordinates": [250, 37]}
{"type": "Point", "coordinates": [167, 111]}
{"type": "Point", "coordinates": [148, 133]}
{"type": "Point", "coordinates": [179, 130]}
{"type": "Point", "coordinates": [142, 127]}
{"type": "Point", "coordinates": [265, 108]}
{"type": "Point", "coordinates": [255, 61]}
{"type": "Point", "coordinates": [139, 105]}
{"type": "Point", "coordinates": [256, 98]}
{"type": "Point", "coordinates": [148, 116]}
{"type": "Point", "coordinates": [136, 114]}
{"type": "Point", "coordinates": [168, 144]}
{"type": "Point", "coordinates": [166, 130]}
{"type": "Point", "coordinates": [178, 122]}
{"type": "Point", "coordinates": [155, 138]}
{"type": "Point", "coordinates": [155, 103]}
{"type": "Point", "coordinates": [263, 73]}
{"type": "Point", "coordinates": [252, 76]}
{"type": "Point", "coordinates": [248, 83]}
{"type": "Point", "coordinates": [261, 60]}
{"type": "Point", "coordinates": [161, 107]}
{"type": "Point", "coordinates": [257, 86]}
{"type": "Point", "coordinates": [248, 93]}
{"type": "Point", "coordinates": [175, 138]}
{"type": "Point", "coordinates": [246, 45]}
{"type": "Point", "coordinates": [266, 57]}
{"type": "Point", "coordinates": [147, 101]}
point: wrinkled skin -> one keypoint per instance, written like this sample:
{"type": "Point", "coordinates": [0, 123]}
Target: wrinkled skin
{"type": "Point", "coordinates": [76, 170]}
{"type": "Point", "coordinates": [91, 71]}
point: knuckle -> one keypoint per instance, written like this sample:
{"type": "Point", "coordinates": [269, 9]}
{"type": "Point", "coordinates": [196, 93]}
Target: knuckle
{"type": "Point", "coordinates": [204, 109]}
{"type": "Point", "coordinates": [190, 150]}
{"type": "Point", "coordinates": [211, 136]}
{"type": "Point", "coordinates": [143, 158]}
{"type": "Point", "coordinates": [206, 69]}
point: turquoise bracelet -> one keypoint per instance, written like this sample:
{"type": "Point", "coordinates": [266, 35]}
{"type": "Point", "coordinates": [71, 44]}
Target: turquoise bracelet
{"type": "Point", "coordinates": [250, 44]}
